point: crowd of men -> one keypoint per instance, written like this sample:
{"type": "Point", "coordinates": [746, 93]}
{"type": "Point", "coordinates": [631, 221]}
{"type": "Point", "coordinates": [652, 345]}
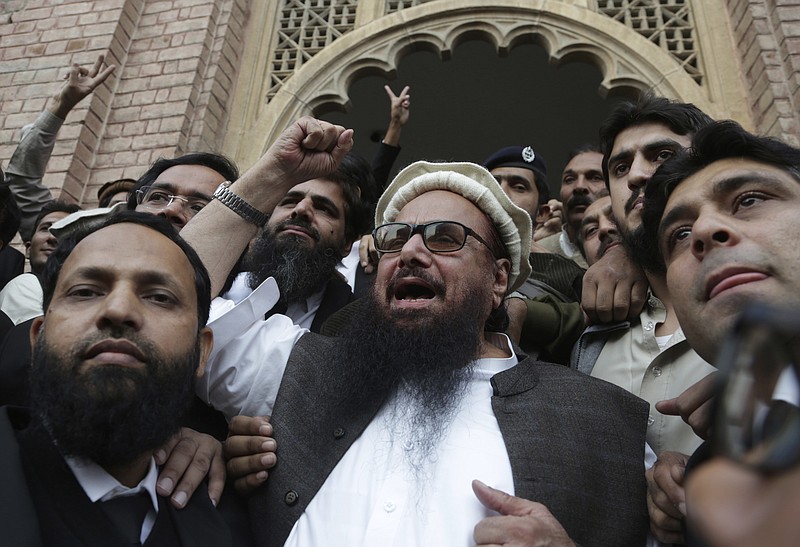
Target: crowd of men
{"type": "Point", "coordinates": [448, 358]}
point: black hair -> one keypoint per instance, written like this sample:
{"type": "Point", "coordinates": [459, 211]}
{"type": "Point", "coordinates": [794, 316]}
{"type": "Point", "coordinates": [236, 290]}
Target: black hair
{"type": "Point", "coordinates": [217, 162]}
{"type": "Point", "coordinates": [681, 118]}
{"type": "Point", "coordinates": [10, 216]}
{"type": "Point", "coordinates": [360, 190]}
{"type": "Point", "coordinates": [202, 283]}
{"type": "Point", "coordinates": [541, 186]}
{"type": "Point", "coordinates": [54, 206]}
{"type": "Point", "coordinates": [717, 141]}
{"type": "Point", "coordinates": [582, 149]}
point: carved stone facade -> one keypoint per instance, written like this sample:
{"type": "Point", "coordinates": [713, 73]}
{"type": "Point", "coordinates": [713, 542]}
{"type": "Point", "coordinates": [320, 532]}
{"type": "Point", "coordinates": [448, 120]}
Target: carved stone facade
{"type": "Point", "coordinates": [227, 75]}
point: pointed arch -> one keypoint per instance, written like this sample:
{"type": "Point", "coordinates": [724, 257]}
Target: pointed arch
{"type": "Point", "coordinates": [626, 60]}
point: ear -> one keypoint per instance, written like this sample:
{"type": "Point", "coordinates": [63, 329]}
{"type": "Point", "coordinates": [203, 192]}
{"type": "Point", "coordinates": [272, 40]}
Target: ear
{"type": "Point", "coordinates": [500, 283]}
{"type": "Point", "coordinates": [347, 246]}
{"type": "Point", "coordinates": [37, 327]}
{"type": "Point", "coordinates": [345, 250]}
{"type": "Point", "coordinates": [206, 339]}
{"type": "Point", "coordinates": [28, 250]}
{"type": "Point", "coordinates": [543, 214]}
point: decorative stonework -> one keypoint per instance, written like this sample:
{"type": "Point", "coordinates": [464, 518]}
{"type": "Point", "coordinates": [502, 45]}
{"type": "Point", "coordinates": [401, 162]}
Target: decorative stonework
{"type": "Point", "coordinates": [667, 23]}
{"type": "Point", "coordinates": [305, 28]}
{"type": "Point", "coordinates": [397, 5]}
{"type": "Point", "coordinates": [627, 60]}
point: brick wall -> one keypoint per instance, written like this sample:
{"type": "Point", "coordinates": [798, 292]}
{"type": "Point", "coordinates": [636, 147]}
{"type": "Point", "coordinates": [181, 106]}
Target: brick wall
{"type": "Point", "coordinates": [176, 64]}
{"type": "Point", "coordinates": [767, 33]}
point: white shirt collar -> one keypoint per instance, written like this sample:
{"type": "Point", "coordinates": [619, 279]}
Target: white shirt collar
{"type": "Point", "coordinates": [99, 485]}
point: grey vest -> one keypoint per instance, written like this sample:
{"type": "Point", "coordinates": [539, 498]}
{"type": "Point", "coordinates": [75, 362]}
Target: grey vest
{"type": "Point", "coordinates": [576, 445]}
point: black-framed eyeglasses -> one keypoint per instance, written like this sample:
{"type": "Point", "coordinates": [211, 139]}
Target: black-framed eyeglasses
{"type": "Point", "coordinates": [441, 236]}
{"type": "Point", "coordinates": [757, 407]}
{"type": "Point", "coordinates": [157, 199]}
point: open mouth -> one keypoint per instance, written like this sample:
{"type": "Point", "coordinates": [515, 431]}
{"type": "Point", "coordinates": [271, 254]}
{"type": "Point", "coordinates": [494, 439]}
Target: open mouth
{"type": "Point", "coordinates": [413, 290]}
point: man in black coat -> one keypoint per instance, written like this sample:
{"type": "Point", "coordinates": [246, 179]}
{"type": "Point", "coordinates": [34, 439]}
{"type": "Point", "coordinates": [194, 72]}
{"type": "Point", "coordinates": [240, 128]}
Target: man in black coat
{"type": "Point", "coordinates": [114, 360]}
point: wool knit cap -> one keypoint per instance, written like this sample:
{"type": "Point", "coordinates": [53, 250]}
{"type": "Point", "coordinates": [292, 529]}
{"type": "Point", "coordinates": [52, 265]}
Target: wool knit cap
{"type": "Point", "coordinates": [476, 184]}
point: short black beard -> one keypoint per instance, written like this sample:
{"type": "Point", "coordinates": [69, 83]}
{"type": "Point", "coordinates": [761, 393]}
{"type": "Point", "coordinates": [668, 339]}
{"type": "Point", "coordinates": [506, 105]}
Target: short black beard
{"type": "Point", "coordinates": [426, 361]}
{"type": "Point", "coordinates": [298, 270]}
{"type": "Point", "coordinates": [108, 414]}
{"type": "Point", "coordinates": [643, 250]}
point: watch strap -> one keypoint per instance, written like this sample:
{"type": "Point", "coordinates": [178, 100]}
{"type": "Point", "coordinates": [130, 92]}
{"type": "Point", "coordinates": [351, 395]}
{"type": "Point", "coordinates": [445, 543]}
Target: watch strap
{"type": "Point", "coordinates": [240, 206]}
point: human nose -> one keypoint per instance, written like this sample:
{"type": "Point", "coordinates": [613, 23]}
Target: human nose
{"type": "Point", "coordinates": [640, 172]}
{"type": "Point", "coordinates": [175, 212]}
{"type": "Point", "coordinates": [580, 186]}
{"type": "Point", "coordinates": [120, 307]}
{"type": "Point", "coordinates": [414, 252]}
{"type": "Point", "coordinates": [711, 230]}
{"type": "Point", "coordinates": [303, 208]}
{"type": "Point", "coordinates": [607, 229]}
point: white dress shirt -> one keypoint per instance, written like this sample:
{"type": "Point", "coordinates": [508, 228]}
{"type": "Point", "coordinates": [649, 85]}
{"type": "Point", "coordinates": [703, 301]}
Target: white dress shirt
{"type": "Point", "coordinates": [376, 496]}
{"type": "Point", "coordinates": [100, 486]}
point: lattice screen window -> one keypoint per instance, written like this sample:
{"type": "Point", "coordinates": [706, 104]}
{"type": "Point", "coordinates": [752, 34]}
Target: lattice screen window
{"type": "Point", "coordinates": [667, 23]}
{"type": "Point", "coordinates": [397, 5]}
{"type": "Point", "coordinates": [306, 27]}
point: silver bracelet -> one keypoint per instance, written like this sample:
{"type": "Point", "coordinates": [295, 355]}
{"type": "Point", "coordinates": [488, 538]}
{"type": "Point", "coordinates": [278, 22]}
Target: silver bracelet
{"type": "Point", "coordinates": [240, 206]}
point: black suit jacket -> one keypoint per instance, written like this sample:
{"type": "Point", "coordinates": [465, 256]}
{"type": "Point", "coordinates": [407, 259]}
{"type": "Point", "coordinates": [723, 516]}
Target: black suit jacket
{"type": "Point", "coordinates": [43, 503]}
{"type": "Point", "coordinates": [337, 295]}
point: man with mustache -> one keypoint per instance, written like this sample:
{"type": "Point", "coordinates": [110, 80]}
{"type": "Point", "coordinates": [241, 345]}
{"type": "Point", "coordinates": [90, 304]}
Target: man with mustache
{"type": "Point", "coordinates": [649, 357]}
{"type": "Point", "coordinates": [581, 182]}
{"type": "Point", "coordinates": [381, 432]}
{"type": "Point", "coordinates": [599, 231]}
{"type": "Point", "coordinates": [521, 173]}
{"type": "Point", "coordinates": [724, 218]}
{"type": "Point", "coordinates": [115, 357]}
{"type": "Point", "coordinates": [308, 233]}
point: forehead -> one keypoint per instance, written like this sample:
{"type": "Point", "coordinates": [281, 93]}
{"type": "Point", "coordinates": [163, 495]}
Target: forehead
{"type": "Point", "coordinates": [122, 249]}
{"type": "Point", "coordinates": [513, 172]}
{"type": "Point", "coordinates": [441, 205]}
{"type": "Point", "coordinates": [707, 184]}
{"type": "Point", "coordinates": [187, 180]}
{"type": "Point", "coordinates": [585, 161]}
{"type": "Point", "coordinates": [599, 207]}
{"type": "Point", "coordinates": [639, 136]}
{"type": "Point", "coordinates": [50, 218]}
{"type": "Point", "coordinates": [321, 188]}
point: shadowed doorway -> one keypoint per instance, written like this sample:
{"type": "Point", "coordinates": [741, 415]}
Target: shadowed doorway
{"type": "Point", "coordinates": [466, 107]}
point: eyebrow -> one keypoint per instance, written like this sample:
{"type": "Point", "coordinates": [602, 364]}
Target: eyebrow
{"type": "Point", "coordinates": [147, 277]}
{"type": "Point", "coordinates": [589, 219]}
{"type": "Point", "coordinates": [649, 147]}
{"type": "Point", "coordinates": [720, 188]}
{"type": "Point", "coordinates": [172, 189]}
{"type": "Point", "coordinates": [513, 178]}
{"type": "Point", "coordinates": [317, 199]}
{"type": "Point", "coordinates": [596, 216]}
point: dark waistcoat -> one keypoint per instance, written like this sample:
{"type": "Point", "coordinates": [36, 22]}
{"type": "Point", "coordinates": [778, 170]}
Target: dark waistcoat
{"type": "Point", "coordinates": [576, 445]}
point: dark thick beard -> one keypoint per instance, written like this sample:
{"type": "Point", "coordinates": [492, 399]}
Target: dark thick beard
{"type": "Point", "coordinates": [298, 270]}
{"type": "Point", "coordinates": [425, 362]}
{"type": "Point", "coordinates": [643, 250]}
{"type": "Point", "coordinates": [109, 414]}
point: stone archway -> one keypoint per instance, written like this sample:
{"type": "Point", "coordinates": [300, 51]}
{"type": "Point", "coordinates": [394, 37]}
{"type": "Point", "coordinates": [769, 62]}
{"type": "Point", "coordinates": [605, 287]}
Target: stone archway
{"type": "Point", "coordinates": [625, 59]}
